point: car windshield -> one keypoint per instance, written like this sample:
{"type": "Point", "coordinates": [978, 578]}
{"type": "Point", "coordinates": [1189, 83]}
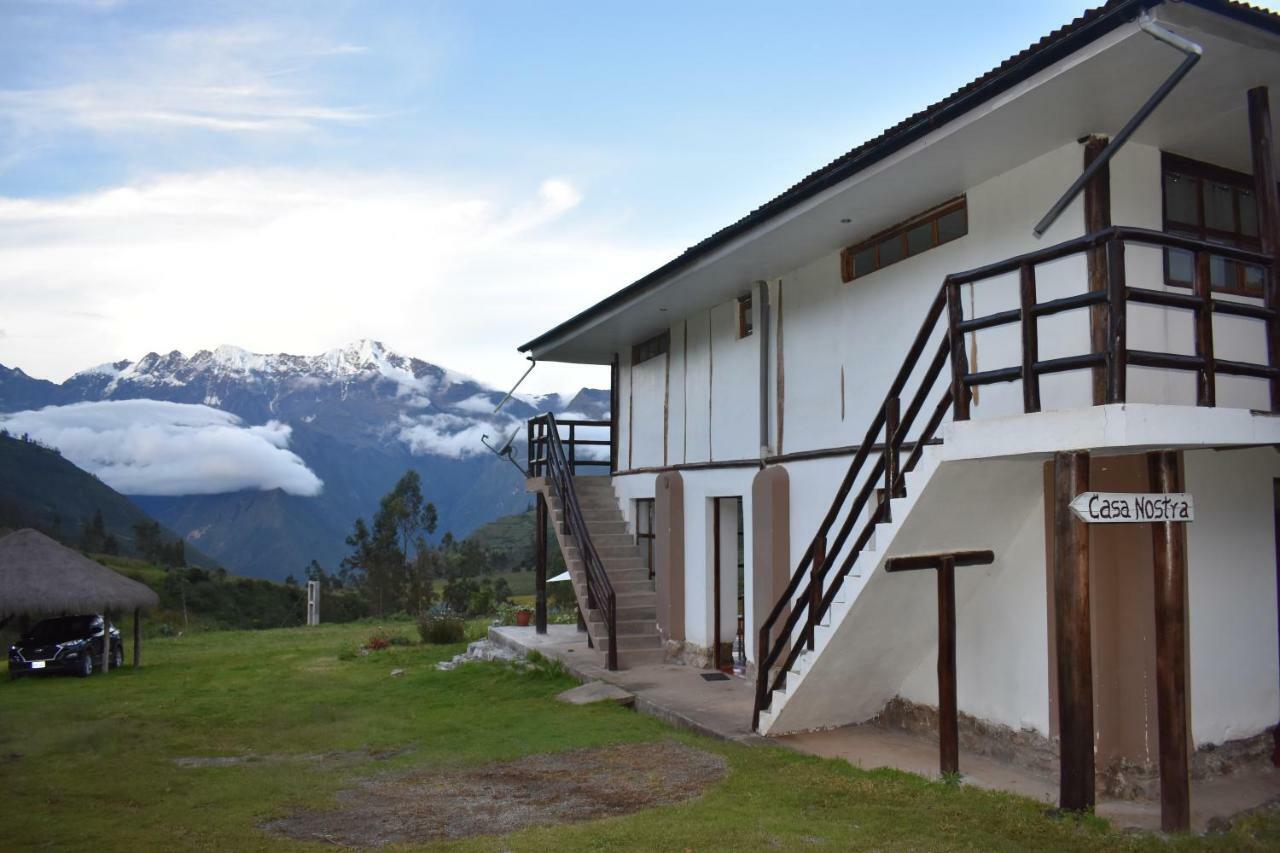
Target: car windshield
{"type": "Point", "coordinates": [64, 628]}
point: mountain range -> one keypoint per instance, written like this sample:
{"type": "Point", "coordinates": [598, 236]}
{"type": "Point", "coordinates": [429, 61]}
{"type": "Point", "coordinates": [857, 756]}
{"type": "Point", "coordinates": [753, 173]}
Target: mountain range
{"type": "Point", "coordinates": [357, 417]}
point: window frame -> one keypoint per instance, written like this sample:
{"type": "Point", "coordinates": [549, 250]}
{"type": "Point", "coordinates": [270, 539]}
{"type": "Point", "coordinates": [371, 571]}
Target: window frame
{"type": "Point", "coordinates": [1203, 172]}
{"type": "Point", "coordinates": [745, 320]}
{"type": "Point", "coordinates": [651, 347]}
{"type": "Point", "coordinates": [848, 267]}
{"type": "Point", "coordinates": [646, 508]}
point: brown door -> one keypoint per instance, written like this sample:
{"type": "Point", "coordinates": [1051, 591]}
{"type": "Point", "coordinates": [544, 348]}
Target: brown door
{"type": "Point", "coordinates": [1122, 624]}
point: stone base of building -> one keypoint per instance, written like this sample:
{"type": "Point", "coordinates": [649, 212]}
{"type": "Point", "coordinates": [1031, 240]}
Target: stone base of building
{"type": "Point", "coordinates": [1119, 779]}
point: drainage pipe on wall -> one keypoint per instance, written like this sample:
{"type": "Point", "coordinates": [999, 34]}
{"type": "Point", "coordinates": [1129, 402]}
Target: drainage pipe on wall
{"type": "Point", "coordinates": [1193, 53]}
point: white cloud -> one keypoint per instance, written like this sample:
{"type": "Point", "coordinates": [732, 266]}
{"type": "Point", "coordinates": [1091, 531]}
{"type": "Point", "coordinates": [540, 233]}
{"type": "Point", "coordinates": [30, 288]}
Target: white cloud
{"type": "Point", "coordinates": [225, 80]}
{"type": "Point", "coordinates": [149, 447]}
{"type": "Point", "coordinates": [296, 262]}
{"type": "Point", "coordinates": [452, 436]}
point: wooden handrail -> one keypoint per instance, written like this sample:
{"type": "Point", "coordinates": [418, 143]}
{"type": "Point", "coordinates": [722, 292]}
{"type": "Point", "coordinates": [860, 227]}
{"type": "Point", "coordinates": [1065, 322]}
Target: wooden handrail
{"type": "Point", "coordinates": [817, 560]}
{"type": "Point", "coordinates": [559, 471]}
{"type": "Point", "coordinates": [1116, 356]}
{"type": "Point", "coordinates": [812, 588]}
{"type": "Point", "coordinates": [538, 429]}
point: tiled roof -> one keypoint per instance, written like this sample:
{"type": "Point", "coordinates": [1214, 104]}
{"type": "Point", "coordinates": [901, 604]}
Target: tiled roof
{"type": "Point", "coordinates": [1063, 41]}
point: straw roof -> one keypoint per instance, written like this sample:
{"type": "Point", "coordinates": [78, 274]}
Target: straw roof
{"type": "Point", "coordinates": [38, 575]}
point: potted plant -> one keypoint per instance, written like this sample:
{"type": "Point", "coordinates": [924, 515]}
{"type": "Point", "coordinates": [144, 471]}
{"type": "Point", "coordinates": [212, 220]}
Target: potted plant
{"type": "Point", "coordinates": [522, 617]}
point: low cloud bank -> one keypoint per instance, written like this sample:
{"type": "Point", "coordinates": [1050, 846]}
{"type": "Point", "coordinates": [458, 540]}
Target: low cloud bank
{"type": "Point", "coordinates": [151, 447]}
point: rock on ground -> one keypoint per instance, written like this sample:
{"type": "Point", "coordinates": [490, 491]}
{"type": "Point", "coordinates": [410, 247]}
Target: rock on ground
{"type": "Point", "coordinates": [481, 650]}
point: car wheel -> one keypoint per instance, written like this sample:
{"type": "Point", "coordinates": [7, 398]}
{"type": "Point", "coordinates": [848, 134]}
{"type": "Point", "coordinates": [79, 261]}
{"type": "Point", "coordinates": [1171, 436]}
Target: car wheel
{"type": "Point", "coordinates": [86, 666]}
{"type": "Point", "coordinates": [117, 658]}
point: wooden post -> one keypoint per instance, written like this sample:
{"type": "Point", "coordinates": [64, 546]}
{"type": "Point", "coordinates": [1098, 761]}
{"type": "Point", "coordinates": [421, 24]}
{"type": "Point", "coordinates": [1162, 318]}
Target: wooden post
{"type": "Point", "coordinates": [815, 586]}
{"type": "Point", "coordinates": [1030, 339]}
{"type": "Point", "coordinates": [1264, 179]}
{"type": "Point", "coordinates": [1097, 216]}
{"type": "Point", "coordinates": [948, 713]}
{"type": "Point", "coordinates": [137, 637]}
{"type": "Point", "coordinates": [1117, 338]}
{"type": "Point", "coordinates": [106, 642]}
{"type": "Point", "coordinates": [613, 414]}
{"type": "Point", "coordinates": [1072, 633]}
{"type": "Point", "coordinates": [1206, 377]}
{"type": "Point", "coordinates": [540, 565]}
{"type": "Point", "coordinates": [948, 717]}
{"type": "Point", "coordinates": [959, 360]}
{"type": "Point", "coordinates": [1169, 548]}
{"type": "Point", "coordinates": [892, 444]}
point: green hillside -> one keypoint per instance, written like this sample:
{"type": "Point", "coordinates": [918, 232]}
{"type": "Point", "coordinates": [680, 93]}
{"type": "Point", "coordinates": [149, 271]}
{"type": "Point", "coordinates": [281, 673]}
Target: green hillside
{"type": "Point", "coordinates": [508, 544]}
{"type": "Point", "coordinates": [40, 488]}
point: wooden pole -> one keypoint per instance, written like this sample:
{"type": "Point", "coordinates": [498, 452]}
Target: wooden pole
{"type": "Point", "coordinates": [1264, 178]}
{"type": "Point", "coordinates": [540, 565]}
{"type": "Point", "coordinates": [948, 713]}
{"type": "Point", "coordinates": [948, 717]}
{"type": "Point", "coordinates": [1030, 339]}
{"type": "Point", "coordinates": [137, 637]}
{"type": "Point", "coordinates": [815, 586]}
{"type": "Point", "coordinates": [1072, 634]}
{"type": "Point", "coordinates": [959, 359]}
{"type": "Point", "coordinates": [1097, 216]}
{"type": "Point", "coordinates": [1169, 547]}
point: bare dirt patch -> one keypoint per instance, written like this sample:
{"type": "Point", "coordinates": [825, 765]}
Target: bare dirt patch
{"type": "Point", "coordinates": [562, 787]}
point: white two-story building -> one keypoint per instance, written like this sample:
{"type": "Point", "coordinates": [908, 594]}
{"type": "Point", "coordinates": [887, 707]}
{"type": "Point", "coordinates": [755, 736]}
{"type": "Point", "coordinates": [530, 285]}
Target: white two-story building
{"type": "Point", "coordinates": [894, 311]}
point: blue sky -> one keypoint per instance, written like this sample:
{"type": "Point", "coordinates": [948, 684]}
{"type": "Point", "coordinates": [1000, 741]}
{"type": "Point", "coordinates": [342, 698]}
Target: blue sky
{"type": "Point", "coordinates": [450, 178]}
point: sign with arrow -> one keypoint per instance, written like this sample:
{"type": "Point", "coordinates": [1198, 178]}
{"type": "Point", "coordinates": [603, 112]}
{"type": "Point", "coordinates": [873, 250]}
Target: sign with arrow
{"type": "Point", "coordinates": [1133, 507]}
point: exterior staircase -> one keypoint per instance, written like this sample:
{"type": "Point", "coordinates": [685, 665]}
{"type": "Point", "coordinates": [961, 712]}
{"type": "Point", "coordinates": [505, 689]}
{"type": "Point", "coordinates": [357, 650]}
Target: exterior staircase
{"type": "Point", "coordinates": [638, 640]}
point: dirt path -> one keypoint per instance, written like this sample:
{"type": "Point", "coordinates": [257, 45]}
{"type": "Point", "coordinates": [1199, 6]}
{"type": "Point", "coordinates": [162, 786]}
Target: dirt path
{"type": "Point", "coordinates": [496, 799]}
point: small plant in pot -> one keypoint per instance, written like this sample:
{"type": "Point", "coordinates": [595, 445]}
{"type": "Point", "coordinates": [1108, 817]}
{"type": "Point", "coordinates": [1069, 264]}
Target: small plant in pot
{"type": "Point", "coordinates": [522, 617]}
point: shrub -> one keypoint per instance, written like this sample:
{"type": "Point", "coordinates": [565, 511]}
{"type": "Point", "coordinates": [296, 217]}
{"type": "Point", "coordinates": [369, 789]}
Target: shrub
{"type": "Point", "coordinates": [377, 643]}
{"type": "Point", "coordinates": [442, 630]}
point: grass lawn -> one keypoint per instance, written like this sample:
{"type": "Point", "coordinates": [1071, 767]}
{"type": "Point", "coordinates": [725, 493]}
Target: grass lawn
{"type": "Point", "coordinates": [91, 764]}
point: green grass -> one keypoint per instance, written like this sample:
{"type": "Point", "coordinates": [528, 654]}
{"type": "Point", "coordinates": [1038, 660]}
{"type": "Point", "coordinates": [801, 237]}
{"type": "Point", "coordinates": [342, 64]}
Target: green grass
{"type": "Point", "coordinates": [89, 764]}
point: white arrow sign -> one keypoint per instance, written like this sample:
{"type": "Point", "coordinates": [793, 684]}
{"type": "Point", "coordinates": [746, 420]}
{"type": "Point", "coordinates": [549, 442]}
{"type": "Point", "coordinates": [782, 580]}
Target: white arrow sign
{"type": "Point", "coordinates": [1133, 508]}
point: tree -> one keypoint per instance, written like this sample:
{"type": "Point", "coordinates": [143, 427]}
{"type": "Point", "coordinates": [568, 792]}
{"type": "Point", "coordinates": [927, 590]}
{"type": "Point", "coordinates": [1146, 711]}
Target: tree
{"type": "Point", "coordinates": [94, 536]}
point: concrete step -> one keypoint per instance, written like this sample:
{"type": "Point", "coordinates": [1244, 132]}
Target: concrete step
{"type": "Point", "coordinates": [648, 615]}
{"type": "Point", "coordinates": [627, 642]}
{"type": "Point", "coordinates": [629, 658]}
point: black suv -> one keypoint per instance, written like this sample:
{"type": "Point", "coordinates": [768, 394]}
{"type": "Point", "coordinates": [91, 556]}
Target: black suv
{"type": "Point", "coordinates": [64, 644]}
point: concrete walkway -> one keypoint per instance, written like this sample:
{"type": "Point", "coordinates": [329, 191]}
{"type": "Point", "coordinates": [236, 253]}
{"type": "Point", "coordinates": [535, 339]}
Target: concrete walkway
{"type": "Point", "coordinates": [722, 709]}
{"type": "Point", "coordinates": [677, 694]}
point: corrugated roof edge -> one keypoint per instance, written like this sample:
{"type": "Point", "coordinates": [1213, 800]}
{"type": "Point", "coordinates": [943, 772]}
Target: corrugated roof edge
{"type": "Point", "coordinates": [1091, 25]}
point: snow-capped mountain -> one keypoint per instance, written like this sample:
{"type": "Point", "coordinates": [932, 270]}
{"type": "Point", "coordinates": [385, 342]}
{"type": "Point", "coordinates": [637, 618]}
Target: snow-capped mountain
{"type": "Point", "coordinates": [357, 416]}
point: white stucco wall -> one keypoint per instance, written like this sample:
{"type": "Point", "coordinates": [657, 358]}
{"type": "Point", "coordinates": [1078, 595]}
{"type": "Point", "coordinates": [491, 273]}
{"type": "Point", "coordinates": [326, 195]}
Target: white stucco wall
{"type": "Point", "coordinates": [1231, 568]}
{"type": "Point", "coordinates": [1002, 661]}
{"type": "Point", "coordinates": [849, 339]}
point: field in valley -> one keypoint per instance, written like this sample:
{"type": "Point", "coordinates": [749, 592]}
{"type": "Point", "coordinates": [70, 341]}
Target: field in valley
{"type": "Point", "coordinates": [249, 740]}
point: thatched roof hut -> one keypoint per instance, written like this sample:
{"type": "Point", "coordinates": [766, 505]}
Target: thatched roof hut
{"type": "Point", "coordinates": [39, 576]}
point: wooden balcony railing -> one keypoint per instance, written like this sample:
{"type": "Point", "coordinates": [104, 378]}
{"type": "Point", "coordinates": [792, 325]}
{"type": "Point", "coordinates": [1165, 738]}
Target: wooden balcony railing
{"type": "Point", "coordinates": [539, 430]}
{"type": "Point", "coordinates": [1115, 358]}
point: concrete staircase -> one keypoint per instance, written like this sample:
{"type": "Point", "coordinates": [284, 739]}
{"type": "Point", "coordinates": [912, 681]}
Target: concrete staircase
{"type": "Point", "coordinates": [638, 639]}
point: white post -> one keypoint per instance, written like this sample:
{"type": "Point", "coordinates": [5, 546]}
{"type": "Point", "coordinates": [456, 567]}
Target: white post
{"type": "Point", "coordinates": [313, 602]}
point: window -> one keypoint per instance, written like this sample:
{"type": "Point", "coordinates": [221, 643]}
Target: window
{"type": "Point", "coordinates": [652, 348]}
{"type": "Point", "coordinates": [744, 316]}
{"type": "Point", "coordinates": [1214, 204]}
{"type": "Point", "coordinates": [944, 223]}
{"type": "Point", "coordinates": [644, 532]}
